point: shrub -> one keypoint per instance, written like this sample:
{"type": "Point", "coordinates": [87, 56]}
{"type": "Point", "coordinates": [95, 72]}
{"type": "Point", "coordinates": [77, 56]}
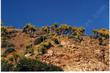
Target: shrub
{"type": "Point", "coordinates": [8, 50]}
{"type": "Point", "coordinates": [39, 40]}
{"type": "Point", "coordinates": [5, 66]}
{"type": "Point", "coordinates": [64, 28]}
{"type": "Point", "coordinates": [3, 31]}
{"type": "Point", "coordinates": [11, 59]}
{"type": "Point", "coordinates": [29, 49]}
{"type": "Point", "coordinates": [43, 47]}
{"type": "Point", "coordinates": [42, 50]}
{"type": "Point", "coordinates": [6, 43]}
{"type": "Point", "coordinates": [101, 33]}
{"type": "Point", "coordinates": [47, 44]}
{"type": "Point", "coordinates": [55, 41]}
{"type": "Point", "coordinates": [79, 31]}
{"type": "Point", "coordinates": [46, 29]}
{"type": "Point", "coordinates": [26, 64]}
{"type": "Point", "coordinates": [29, 29]}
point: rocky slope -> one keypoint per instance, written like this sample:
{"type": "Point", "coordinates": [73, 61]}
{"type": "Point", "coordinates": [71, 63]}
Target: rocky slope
{"type": "Point", "coordinates": [70, 53]}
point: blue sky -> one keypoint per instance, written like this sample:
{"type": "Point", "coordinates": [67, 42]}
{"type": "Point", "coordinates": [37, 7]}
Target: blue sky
{"type": "Point", "coordinates": [91, 14]}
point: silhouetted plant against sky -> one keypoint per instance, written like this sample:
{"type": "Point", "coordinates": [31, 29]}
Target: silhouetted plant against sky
{"type": "Point", "coordinates": [29, 28]}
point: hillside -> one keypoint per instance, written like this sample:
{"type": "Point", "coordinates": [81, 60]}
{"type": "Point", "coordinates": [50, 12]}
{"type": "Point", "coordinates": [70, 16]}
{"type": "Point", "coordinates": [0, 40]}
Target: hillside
{"type": "Point", "coordinates": [57, 48]}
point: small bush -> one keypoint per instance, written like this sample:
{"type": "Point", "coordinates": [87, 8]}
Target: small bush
{"type": "Point", "coordinates": [29, 49]}
{"type": "Point", "coordinates": [47, 44]}
{"type": "Point", "coordinates": [43, 47]}
{"type": "Point", "coordinates": [6, 43]}
{"type": "Point", "coordinates": [8, 50]}
{"type": "Point", "coordinates": [55, 41]}
{"type": "Point", "coordinates": [11, 59]}
{"type": "Point", "coordinates": [5, 66]}
{"type": "Point", "coordinates": [42, 50]}
{"type": "Point", "coordinates": [26, 64]}
{"type": "Point", "coordinates": [39, 40]}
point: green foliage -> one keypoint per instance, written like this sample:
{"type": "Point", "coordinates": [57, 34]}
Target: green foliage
{"type": "Point", "coordinates": [29, 49]}
{"type": "Point", "coordinates": [27, 64]}
{"type": "Point", "coordinates": [64, 27]}
{"type": "Point", "coordinates": [11, 59]}
{"type": "Point", "coordinates": [6, 34]}
{"type": "Point", "coordinates": [35, 65]}
{"type": "Point", "coordinates": [54, 25]}
{"type": "Point", "coordinates": [55, 41]}
{"type": "Point", "coordinates": [46, 29]}
{"type": "Point", "coordinates": [95, 31]}
{"type": "Point", "coordinates": [5, 66]}
{"type": "Point", "coordinates": [29, 29]}
{"type": "Point", "coordinates": [46, 44]}
{"type": "Point", "coordinates": [8, 50]}
{"type": "Point", "coordinates": [43, 47]}
{"type": "Point", "coordinates": [40, 39]}
{"type": "Point", "coordinates": [3, 31]}
{"type": "Point", "coordinates": [6, 43]}
{"type": "Point", "coordinates": [42, 50]}
{"type": "Point", "coordinates": [104, 33]}
{"type": "Point", "coordinates": [79, 31]}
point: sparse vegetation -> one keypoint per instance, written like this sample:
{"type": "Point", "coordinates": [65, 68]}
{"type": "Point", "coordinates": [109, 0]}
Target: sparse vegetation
{"type": "Point", "coordinates": [35, 65]}
{"type": "Point", "coordinates": [55, 41]}
{"type": "Point", "coordinates": [46, 29]}
{"type": "Point", "coordinates": [29, 49]}
{"type": "Point", "coordinates": [64, 28]}
{"type": "Point", "coordinates": [29, 29]}
{"type": "Point", "coordinates": [104, 33]}
{"type": "Point", "coordinates": [6, 43]}
{"type": "Point", "coordinates": [26, 64]}
{"type": "Point", "coordinates": [43, 47]}
{"type": "Point", "coordinates": [5, 66]}
{"type": "Point", "coordinates": [40, 39]}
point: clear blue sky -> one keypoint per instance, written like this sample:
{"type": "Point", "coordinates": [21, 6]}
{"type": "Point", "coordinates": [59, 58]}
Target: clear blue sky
{"type": "Point", "coordinates": [88, 13]}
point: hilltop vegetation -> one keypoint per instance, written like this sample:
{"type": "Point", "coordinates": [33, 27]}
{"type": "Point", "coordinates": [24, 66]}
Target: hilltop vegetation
{"type": "Point", "coordinates": [54, 48]}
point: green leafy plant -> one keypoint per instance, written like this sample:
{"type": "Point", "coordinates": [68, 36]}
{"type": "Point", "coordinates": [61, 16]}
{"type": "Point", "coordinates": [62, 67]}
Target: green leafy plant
{"type": "Point", "coordinates": [29, 29]}
{"type": "Point", "coordinates": [29, 49]}
{"type": "Point", "coordinates": [46, 29]}
{"type": "Point", "coordinates": [101, 33]}
{"type": "Point", "coordinates": [55, 41]}
{"type": "Point", "coordinates": [6, 43]}
{"type": "Point", "coordinates": [8, 50]}
{"type": "Point", "coordinates": [42, 50]}
{"type": "Point", "coordinates": [40, 39]}
{"type": "Point", "coordinates": [5, 66]}
{"type": "Point", "coordinates": [43, 47]}
{"type": "Point", "coordinates": [26, 64]}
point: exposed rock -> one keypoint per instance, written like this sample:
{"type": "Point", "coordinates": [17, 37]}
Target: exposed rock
{"type": "Point", "coordinates": [50, 52]}
{"type": "Point", "coordinates": [27, 55]}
